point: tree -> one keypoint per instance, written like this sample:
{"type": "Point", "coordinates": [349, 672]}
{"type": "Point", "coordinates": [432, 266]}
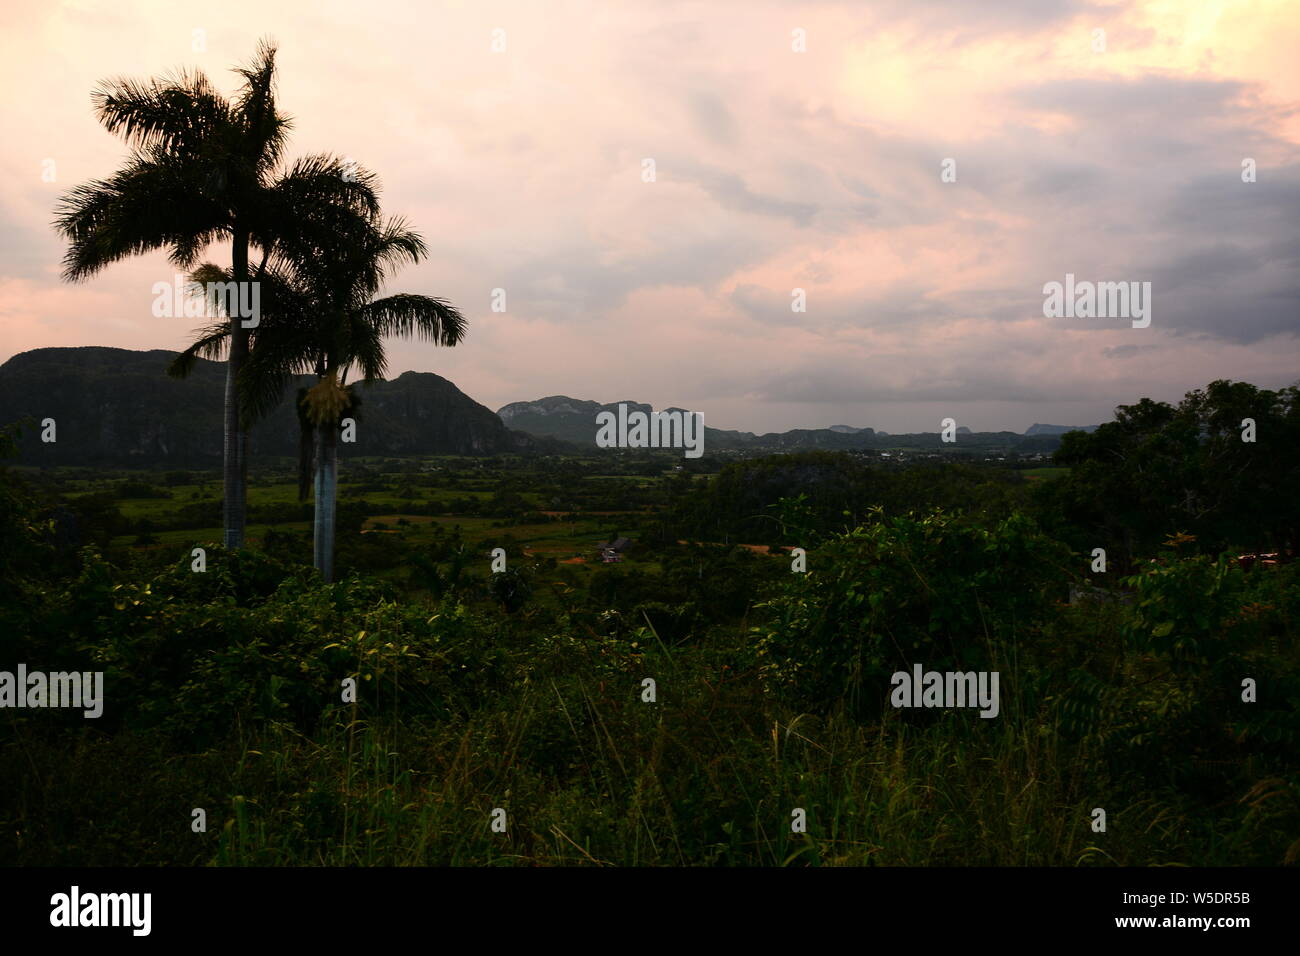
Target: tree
{"type": "Point", "coordinates": [323, 320]}
{"type": "Point", "coordinates": [346, 328]}
{"type": "Point", "coordinates": [1159, 470]}
{"type": "Point", "coordinates": [203, 170]}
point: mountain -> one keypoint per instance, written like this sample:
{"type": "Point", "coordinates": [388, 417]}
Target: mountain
{"type": "Point", "coordinates": [118, 407]}
{"type": "Point", "coordinates": [574, 420]}
{"type": "Point", "coordinates": [568, 419]}
{"type": "Point", "coordinates": [1037, 429]}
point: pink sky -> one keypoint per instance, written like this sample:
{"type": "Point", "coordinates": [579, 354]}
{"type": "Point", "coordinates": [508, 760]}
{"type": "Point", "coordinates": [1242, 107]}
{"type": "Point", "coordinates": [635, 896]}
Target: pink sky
{"type": "Point", "coordinates": [775, 170]}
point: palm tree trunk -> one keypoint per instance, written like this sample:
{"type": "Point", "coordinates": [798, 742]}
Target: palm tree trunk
{"type": "Point", "coordinates": [229, 459]}
{"type": "Point", "coordinates": [234, 471]}
{"type": "Point", "coordinates": [326, 488]}
{"type": "Point", "coordinates": [243, 480]}
{"type": "Point", "coordinates": [318, 494]}
{"type": "Point", "coordinates": [331, 497]}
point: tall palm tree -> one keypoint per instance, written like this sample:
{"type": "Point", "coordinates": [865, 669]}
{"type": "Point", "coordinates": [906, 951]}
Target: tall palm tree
{"type": "Point", "coordinates": [203, 169]}
{"type": "Point", "coordinates": [324, 320]}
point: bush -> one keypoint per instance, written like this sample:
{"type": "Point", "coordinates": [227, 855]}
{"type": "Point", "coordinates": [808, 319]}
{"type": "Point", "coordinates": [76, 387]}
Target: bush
{"type": "Point", "coordinates": [932, 590]}
{"type": "Point", "coordinates": [511, 588]}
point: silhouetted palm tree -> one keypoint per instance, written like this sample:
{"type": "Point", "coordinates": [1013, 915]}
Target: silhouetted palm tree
{"type": "Point", "coordinates": [322, 318]}
{"type": "Point", "coordinates": [203, 169]}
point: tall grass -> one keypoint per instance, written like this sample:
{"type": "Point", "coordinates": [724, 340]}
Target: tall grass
{"type": "Point", "coordinates": [592, 776]}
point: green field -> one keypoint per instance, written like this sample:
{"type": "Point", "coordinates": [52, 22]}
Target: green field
{"type": "Point", "coordinates": [523, 689]}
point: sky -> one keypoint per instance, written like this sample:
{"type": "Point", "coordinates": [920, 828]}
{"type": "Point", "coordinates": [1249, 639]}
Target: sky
{"type": "Point", "coordinates": [919, 169]}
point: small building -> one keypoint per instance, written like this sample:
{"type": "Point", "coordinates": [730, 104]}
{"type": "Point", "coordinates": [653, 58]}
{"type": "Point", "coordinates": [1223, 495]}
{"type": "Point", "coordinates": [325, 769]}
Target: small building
{"type": "Point", "coordinates": [611, 552]}
{"type": "Point", "coordinates": [1268, 560]}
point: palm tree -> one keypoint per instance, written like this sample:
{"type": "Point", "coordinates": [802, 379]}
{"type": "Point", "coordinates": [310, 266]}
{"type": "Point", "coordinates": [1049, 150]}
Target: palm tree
{"type": "Point", "coordinates": [203, 169]}
{"type": "Point", "coordinates": [324, 320]}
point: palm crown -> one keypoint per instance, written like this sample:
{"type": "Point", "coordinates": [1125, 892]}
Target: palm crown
{"type": "Point", "coordinates": [322, 317]}
{"type": "Point", "coordinates": [204, 169]}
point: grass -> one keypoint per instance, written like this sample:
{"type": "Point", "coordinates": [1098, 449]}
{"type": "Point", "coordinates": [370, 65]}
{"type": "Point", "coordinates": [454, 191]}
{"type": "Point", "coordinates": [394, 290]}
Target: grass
{"type": "Point", "coordinates": [589, 775]}
{"type": "Point", "coordinates": [587, 772]}
{"type": "Point", "coordinates": [1048, 472]}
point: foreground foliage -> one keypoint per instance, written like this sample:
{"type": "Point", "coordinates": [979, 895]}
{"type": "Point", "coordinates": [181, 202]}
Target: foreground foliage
{"type": "Point", "coordinates": [225, 695]}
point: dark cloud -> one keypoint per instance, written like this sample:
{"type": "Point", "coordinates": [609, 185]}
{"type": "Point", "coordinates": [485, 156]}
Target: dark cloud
{"type": "Point", "coordinates": [569, 283]}
{"type": "Point", "coordinates": [1126, 351]}
{"type": "Point", "coordinates": [712, 117]}
{"type": "Point", "coordinates": [729, 191]}
{"type": "Point", "coordinates": [967, 21]}
{"type": "Point", "coordinates": [1165, 99]}
{"type": "Point", "coordinates": [898, 306]}
{"type": "Point", "coordinates": [971, 380]}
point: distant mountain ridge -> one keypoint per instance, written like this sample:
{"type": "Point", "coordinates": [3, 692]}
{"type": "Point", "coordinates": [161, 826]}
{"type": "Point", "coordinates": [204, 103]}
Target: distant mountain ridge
{"type": "Point", "coordinates": [118, 407]}
{"type": "Point", "coordinates": [574, 420]}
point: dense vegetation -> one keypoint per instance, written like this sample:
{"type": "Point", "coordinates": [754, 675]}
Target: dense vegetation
{"type": "Point", "coordinates": [523, 689]}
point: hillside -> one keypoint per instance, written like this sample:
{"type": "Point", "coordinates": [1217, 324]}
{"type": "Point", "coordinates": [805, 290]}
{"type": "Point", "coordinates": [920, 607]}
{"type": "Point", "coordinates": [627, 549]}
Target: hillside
{"type": "Point", "coordinates": [574, 420]}
{"type": "Point", "coordinates": [119, 407]}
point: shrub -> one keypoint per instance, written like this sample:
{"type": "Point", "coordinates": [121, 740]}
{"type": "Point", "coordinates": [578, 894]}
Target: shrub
{"type": "Point", "coordinates": [933, 590]}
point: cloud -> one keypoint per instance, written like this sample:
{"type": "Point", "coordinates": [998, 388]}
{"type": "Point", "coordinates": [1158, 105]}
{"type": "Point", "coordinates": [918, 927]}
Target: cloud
{"type": "Point", "coordinates": [712, 118]}
{"type": "Point", "coordinates": [776, 170]}
{"type": "Point", "coordinates": [731, 193]}
{"type": "Point", "coordinates": [1126, 351]}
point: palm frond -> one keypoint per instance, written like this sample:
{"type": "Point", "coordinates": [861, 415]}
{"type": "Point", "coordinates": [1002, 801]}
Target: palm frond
{"type": "Point", "coordinates": [313, 213]}
{"type": "Point", "coordinates": [422, 316]}
{"type": "Point", "coordinates": [266, 129]}
{"type": "Point", "coordinates": [210, 344]}
{"type": "Point", "coordinates": [176, 113]}
{"type": "Point", "coordinates": [147, 205]}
